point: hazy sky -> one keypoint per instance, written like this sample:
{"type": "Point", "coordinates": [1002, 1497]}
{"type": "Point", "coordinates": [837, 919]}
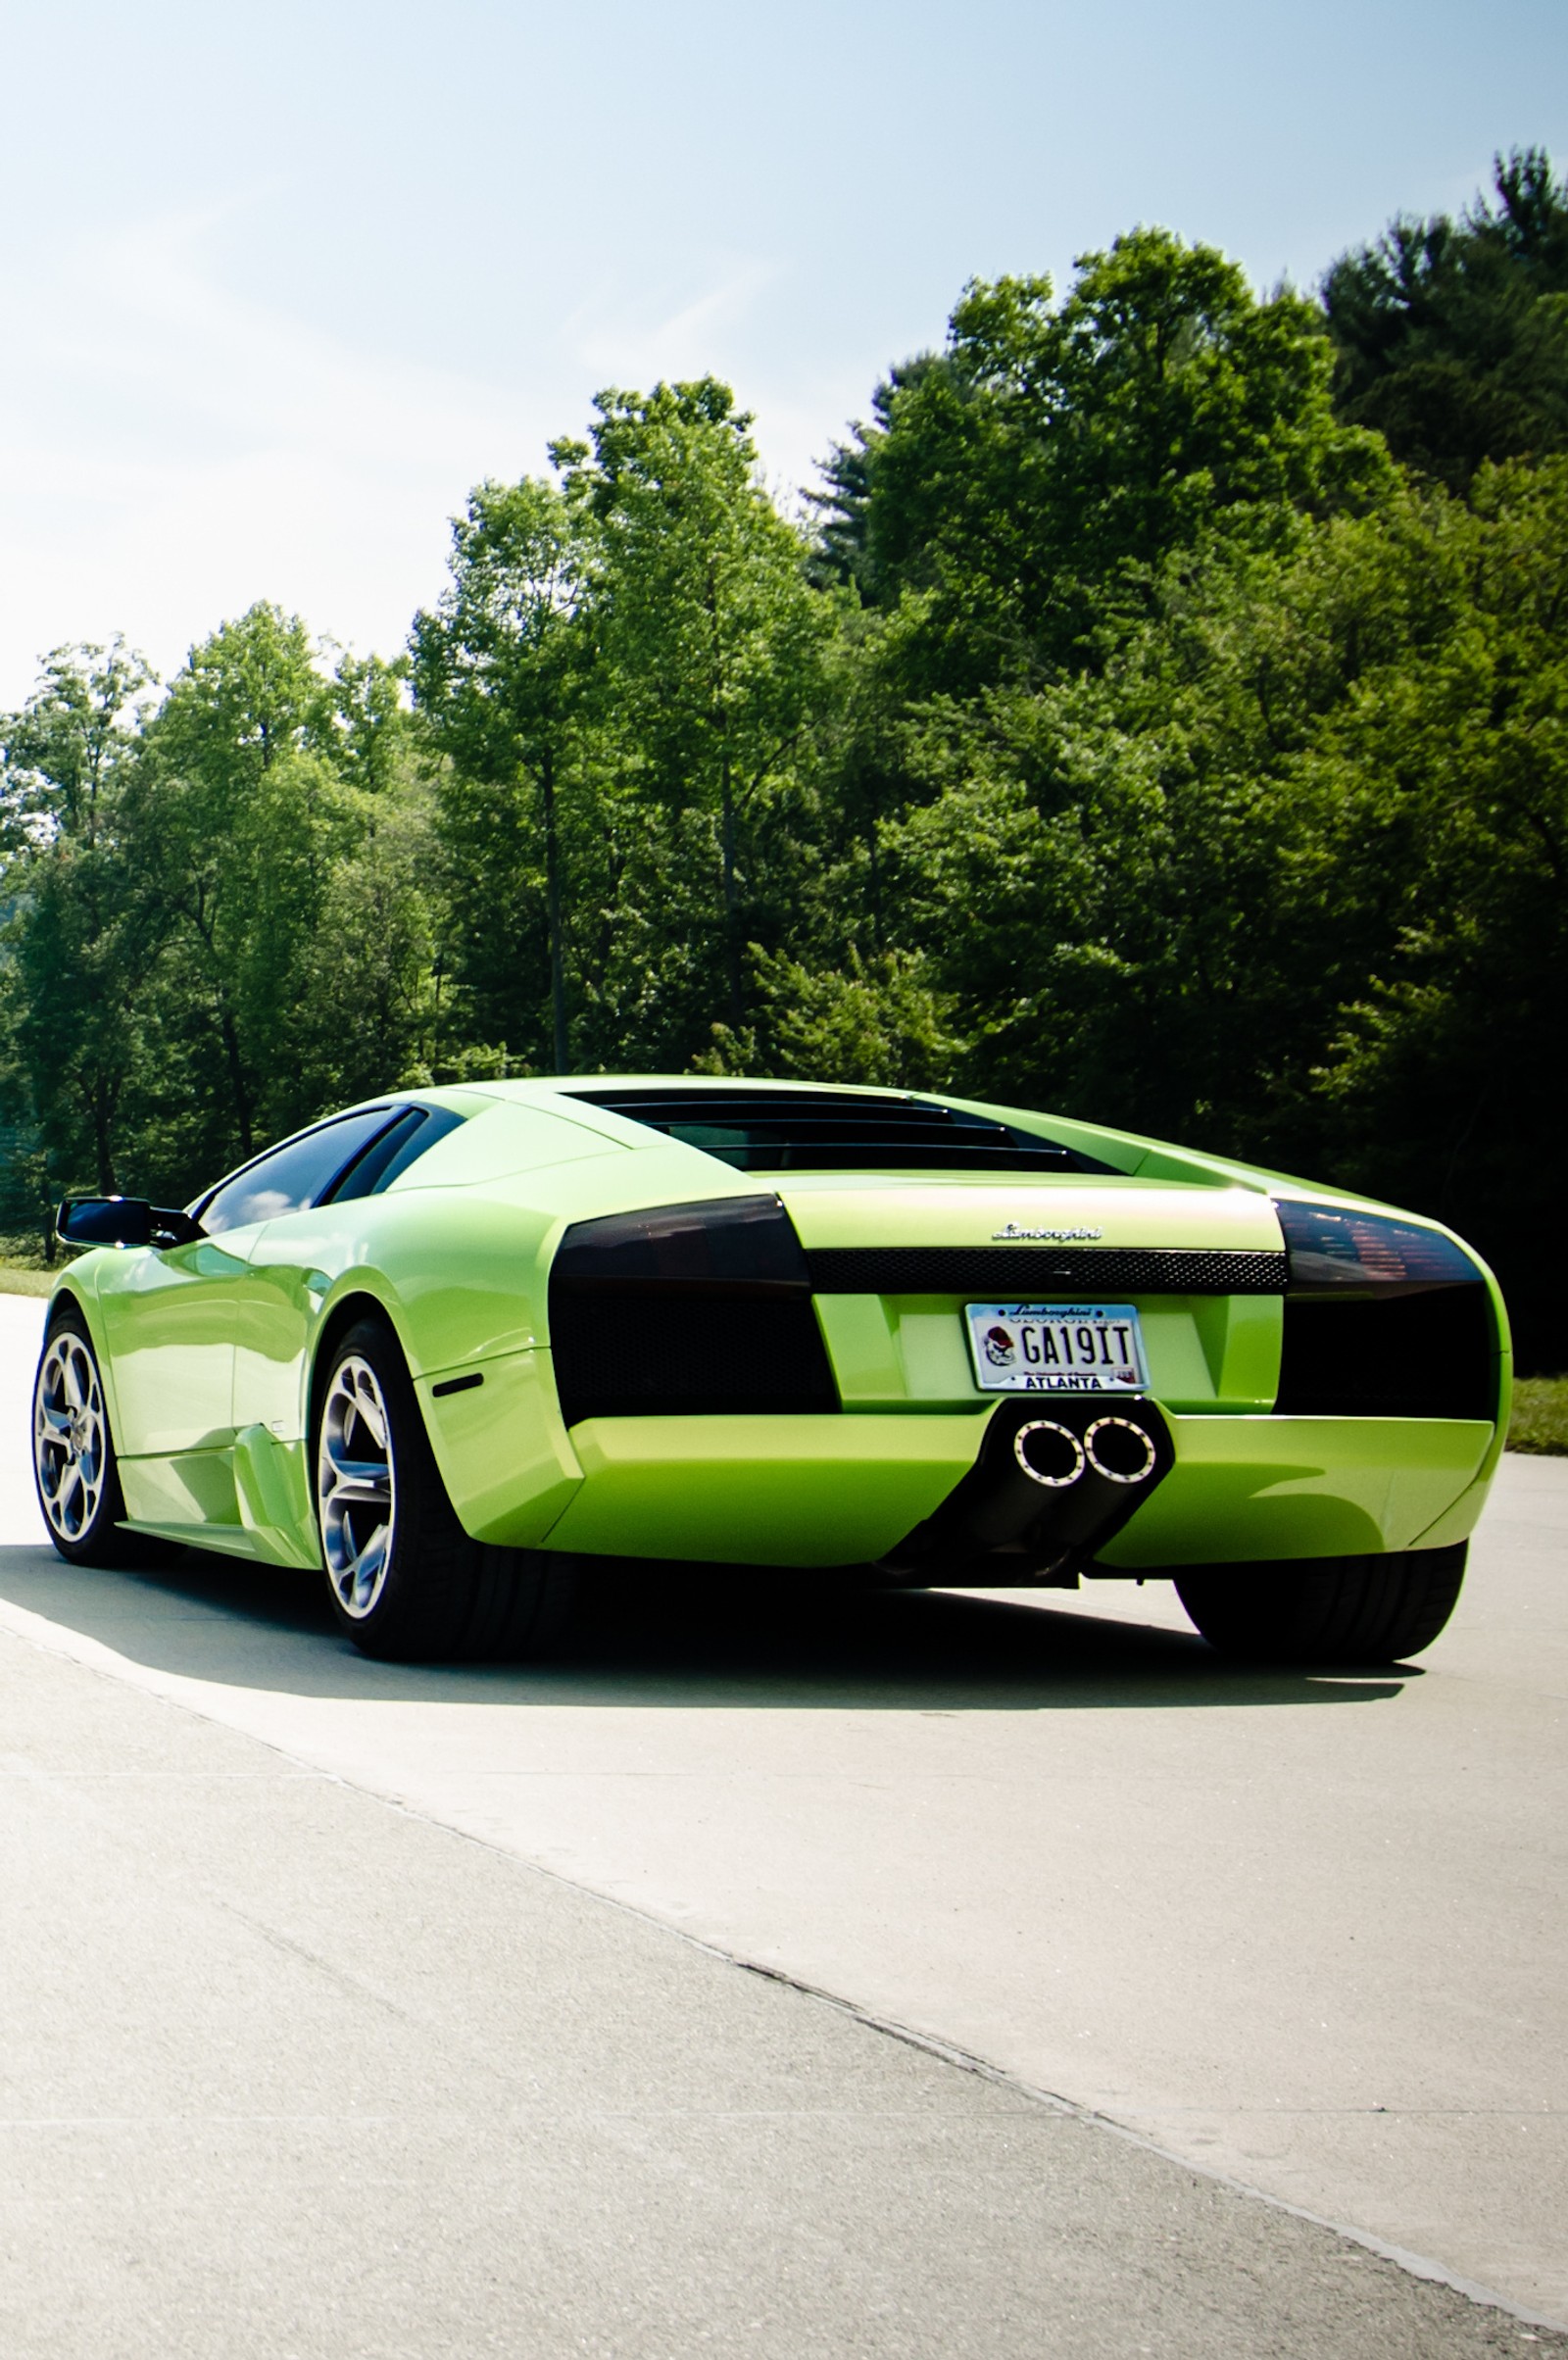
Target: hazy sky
{"type": "Point", "coordinates": [280, 282]}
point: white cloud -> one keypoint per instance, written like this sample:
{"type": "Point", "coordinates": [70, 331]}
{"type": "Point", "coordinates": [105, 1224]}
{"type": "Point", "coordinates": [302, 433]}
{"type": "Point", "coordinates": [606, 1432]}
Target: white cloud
{"type": "Point", "coordinates": [173, 448]}
{"type": "Point", "coordinates": [170, 450]}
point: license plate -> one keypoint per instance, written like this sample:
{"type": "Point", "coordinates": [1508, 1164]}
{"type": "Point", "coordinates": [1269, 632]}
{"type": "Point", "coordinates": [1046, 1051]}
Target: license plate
{"type": "Point", "coordinates": [1057, 1348]}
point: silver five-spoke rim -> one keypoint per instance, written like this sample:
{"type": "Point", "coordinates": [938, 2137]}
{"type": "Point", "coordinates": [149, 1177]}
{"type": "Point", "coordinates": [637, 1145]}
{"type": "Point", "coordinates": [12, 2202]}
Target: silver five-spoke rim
{"type": "Point", "coordinates": [69, 1436]}
{"type": "Point", "coordinates": [356, 1489]}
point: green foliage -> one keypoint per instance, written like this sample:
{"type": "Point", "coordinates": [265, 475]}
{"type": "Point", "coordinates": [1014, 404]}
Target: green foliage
{"type": "Point", "coordinates": [708, 639]}
{"type": "Point", "coordinates": [499, 671]}
{"type": "Point", "coordinates": [1028, 479]}
{"type": "Point", "coordinates": [84, 926]}
{"type": "Point", "coordinates": [1453, 336]}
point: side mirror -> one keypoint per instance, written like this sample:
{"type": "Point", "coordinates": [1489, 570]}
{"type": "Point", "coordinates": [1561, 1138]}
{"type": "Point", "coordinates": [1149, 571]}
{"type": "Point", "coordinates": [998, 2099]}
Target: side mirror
{"type": "Point", "coordinates": [123, 1221]}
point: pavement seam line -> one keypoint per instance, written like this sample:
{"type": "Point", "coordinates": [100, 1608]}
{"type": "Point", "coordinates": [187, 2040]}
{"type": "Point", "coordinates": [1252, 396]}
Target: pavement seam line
{"type": "Point", "coordinates": [1414, 2265]}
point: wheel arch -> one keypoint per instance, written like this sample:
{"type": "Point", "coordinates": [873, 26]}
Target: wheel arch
{"type": "Point", "coordinates": [85, 1302]}
{"type": "Point", "coordinates": [68, 1299]}
{"type": "Point", "coordinates": [345, 1313]}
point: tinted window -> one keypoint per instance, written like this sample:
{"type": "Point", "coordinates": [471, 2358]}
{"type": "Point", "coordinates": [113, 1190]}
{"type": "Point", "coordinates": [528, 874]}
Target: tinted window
{"type": "Point", "coordinates": [415, 1129]}
{"type": "Point", "coordinates": [298, 1173]}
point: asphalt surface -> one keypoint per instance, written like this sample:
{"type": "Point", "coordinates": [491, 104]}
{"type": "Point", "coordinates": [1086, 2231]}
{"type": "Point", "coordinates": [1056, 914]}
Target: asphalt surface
{"type": "Point", "coordinates": [300, 2052]}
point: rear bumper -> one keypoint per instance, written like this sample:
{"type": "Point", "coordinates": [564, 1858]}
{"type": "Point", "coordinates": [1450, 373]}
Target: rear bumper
{"type": "Point", "coordinates": [801, 1490]}
{"type": "Point", "coordinates": [1273, 1487]}
{"type": "Point", "coordinates": [847, 1487]}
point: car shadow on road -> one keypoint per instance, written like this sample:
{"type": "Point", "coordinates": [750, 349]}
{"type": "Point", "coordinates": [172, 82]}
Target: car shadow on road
{"type": "Point", "coordinates": [651, 1635]}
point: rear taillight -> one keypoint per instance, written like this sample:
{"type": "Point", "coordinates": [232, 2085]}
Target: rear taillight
{"type": "Point", "coordinates": [687, 1310]}
{"type": "Point", "coordinates": [1330, 1250]}
{"type": "Point", "coordinates": [737, 1242]}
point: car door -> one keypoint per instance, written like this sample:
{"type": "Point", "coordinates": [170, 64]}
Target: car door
{"type": "Point", "coordinates": [171, 1315]}
{"type": "Point", "coordinates": [294, 1258]}
{"type": "Point", "coordinates": [167, 1319]}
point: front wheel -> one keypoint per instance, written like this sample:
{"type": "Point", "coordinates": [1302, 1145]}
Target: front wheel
{"type": "Point", "coordinates": [1368, 1610]}
{"type": "Point", "coordinates": [74, 1462]}
{"type": "Point", "coordinates": [405, 1579]}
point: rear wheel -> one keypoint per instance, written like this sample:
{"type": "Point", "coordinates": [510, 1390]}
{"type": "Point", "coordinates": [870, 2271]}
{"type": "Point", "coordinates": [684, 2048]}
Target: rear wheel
{"type": "Point", "coordinates": [74, 1462]}
{"type": "Point", "coordinates": [1327, 1610]}
{"type": "Point", "coordinates": [405, 1579]}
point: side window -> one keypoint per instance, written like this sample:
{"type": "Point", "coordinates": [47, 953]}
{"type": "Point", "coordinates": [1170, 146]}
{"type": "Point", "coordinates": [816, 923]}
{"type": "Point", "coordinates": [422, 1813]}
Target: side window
{"type": "Point", "coordinates": [289, 1177]}
{"type": "Point", "coordinates": [415, 1129]}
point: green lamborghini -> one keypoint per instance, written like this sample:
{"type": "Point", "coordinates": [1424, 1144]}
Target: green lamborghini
{"type": "Point", "coordinates": [452, 1343]}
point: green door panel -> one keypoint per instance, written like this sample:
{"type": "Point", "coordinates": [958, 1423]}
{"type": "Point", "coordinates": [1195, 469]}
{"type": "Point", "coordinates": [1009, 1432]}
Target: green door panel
{"type": "Point", "coordinates": [166, 1320]}
{"type": "Point", "coordinates": [806, 1489]}
{"type": "Point", "coordinates": [1301, 1486]}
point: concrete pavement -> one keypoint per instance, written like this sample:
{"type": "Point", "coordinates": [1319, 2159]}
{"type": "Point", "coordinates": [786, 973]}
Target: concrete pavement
{"type": "Point", "coordinates": [1303, 1932]}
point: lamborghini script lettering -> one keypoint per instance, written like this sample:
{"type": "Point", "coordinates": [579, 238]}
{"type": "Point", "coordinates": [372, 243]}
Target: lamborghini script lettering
{"type": "Point", "coordinates": [1053, 1237]}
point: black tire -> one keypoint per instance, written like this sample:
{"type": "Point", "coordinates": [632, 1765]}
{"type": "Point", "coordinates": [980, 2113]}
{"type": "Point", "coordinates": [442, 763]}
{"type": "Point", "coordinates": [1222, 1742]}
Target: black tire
{"type": "Point", "coordinates": [433, 1595]}
{"type": "Point", "coordinates": [74, 1470]}
{"type": "Point", "coordinates": [1367, 1610]}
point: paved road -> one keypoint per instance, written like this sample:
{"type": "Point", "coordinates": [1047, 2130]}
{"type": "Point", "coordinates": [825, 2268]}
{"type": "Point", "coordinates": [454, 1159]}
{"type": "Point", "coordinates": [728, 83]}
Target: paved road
{"type": "Point", "coordinates": [1303, 1931]}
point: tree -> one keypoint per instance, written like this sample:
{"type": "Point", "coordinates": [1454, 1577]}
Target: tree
{"type": "Point", "coordinates": [1443, 1079]}
{"type": "Point", "coordinates": [500, 670]}
{"type": "Point", "coordinates": [709, 636]}
{"type": "Point", "coordinates": [233, 790]}
{"type": "Point", "coordinates": [1025, 483]}
{"type": "Point", "coordinates": [1453, 336]}
{"type": "Point", "coordinates": [84, 932]}
{"type": "Point", "coordinates": [285, 830]}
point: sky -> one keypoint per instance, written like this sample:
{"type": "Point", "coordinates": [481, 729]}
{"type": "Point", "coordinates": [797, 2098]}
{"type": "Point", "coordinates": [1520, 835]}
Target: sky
{"type": "Point", "coordinates": [280, 282]}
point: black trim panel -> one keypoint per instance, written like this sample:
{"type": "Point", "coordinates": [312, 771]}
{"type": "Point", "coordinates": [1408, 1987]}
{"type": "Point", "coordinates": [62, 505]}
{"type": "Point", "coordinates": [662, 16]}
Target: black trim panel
{"type": "Point", "coordinates": [1428, 1354]}
{"type": "Point", "coordinates": [1025, 1273]}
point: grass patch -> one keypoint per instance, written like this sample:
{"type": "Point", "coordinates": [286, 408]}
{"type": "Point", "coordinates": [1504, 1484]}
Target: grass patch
{"type": "Point", "coordinates": [18, 1279]}
{"type": "Point", "coordinates": [1540, 1420]}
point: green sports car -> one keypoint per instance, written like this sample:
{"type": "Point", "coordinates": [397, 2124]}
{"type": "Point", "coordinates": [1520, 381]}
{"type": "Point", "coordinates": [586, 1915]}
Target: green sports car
{"type": "Point", "coordinates": [454, 1343]}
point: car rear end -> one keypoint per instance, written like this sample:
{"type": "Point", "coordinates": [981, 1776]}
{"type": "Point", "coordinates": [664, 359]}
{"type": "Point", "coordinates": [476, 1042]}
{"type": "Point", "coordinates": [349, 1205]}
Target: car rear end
{"type": "Point", "coordinates": [929, 1335]}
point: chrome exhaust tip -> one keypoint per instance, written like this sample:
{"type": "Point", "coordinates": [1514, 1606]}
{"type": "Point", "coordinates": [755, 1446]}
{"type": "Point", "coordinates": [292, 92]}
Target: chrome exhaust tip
{"type": "Point", "coordinates": [1119, 1450]}
{"type": "Point", "coordinates": [1049, 1454]}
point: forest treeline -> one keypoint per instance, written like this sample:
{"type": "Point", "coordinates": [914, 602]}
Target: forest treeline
{"type": "Point", "coordinates": [1160, 714]}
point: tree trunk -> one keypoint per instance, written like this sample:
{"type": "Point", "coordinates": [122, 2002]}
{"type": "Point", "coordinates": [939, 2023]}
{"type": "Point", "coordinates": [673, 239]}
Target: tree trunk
{"type": "Point", "coordinates": [732, 930]}
{"type": "Point", "coordinates": [557, 950]}
{"type": "Point", "coordinates": [103, 1146]}
{"type": "Point", "coordinates": [236, 1080]}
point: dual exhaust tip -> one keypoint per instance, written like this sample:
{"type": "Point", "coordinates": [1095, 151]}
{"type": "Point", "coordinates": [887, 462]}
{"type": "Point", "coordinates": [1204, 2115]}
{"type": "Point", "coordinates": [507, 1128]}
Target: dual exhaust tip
{"type": "Point", "coordinates": [1116, 1447]}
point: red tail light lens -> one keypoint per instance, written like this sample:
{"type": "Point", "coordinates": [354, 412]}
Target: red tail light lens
{"type": "Point", "coordinates": [1330, 1248]}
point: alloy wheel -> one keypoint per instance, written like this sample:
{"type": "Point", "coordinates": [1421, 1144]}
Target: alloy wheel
{"type": "Point", "coordinates": [69, 1436]}
{"type": "Point", "coordinates": [356, 1487]}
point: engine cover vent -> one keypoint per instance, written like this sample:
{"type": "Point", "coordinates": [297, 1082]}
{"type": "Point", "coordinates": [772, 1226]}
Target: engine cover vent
{"type": "Point", "coordinates": [823, 1131]}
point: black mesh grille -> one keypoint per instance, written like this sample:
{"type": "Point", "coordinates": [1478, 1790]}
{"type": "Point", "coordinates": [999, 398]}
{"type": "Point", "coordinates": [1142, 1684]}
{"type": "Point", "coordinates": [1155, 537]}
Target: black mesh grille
{"type": "Point", "coordinates": [1415, 1355]}
{"type": "Point", "coordinates": [823, 1131]}
{"type": "Point", "coordinates": [676, 1354]}
{"type": "Point", "coordinates": [1023, 1272]}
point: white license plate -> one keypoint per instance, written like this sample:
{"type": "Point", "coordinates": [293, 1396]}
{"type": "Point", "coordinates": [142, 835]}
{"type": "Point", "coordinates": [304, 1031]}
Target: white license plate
{"type": "Point", "coordinates": [1057, 1348]}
